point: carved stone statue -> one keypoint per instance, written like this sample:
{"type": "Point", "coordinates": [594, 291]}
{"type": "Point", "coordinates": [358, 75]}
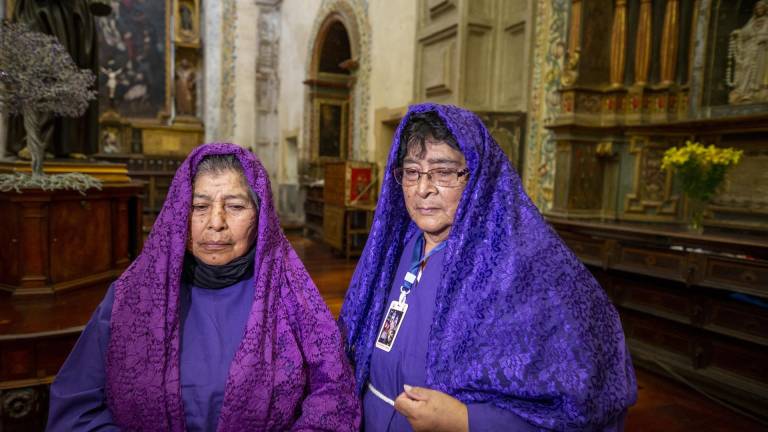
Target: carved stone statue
{"type": "Point", "coordinates": [186, 89]}
{"type": "Point", "coordinates": [748, 58]}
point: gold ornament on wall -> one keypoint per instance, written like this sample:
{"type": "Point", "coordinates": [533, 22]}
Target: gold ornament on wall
{"type": "Point", "coordinates": [187, 22]}
{"type": "Point", "coordinates": [571, 72]}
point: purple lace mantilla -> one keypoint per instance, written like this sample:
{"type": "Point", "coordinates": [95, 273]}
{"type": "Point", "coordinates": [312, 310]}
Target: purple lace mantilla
{"type": "Point", "coordinates": [519, 321]}
{"type": "Point", "coordinates": [289, 371]}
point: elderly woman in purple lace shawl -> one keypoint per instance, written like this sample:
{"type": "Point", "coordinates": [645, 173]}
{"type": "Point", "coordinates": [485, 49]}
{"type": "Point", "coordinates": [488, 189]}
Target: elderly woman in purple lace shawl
{"type": "Point", "coordinates": [215, 326]}
{"type": "Point", "coordinates": [466, 311]}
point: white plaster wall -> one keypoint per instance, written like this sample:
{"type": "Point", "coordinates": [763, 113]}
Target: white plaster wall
{"type": "Point", "coordinates": [391, 57]}
{"type": "Point", "coordinates": [393, 27]}
{"type": "Point", "coordinates": [212, 55]}
{"type": "Point", "coordinates": [393, 45]}
{"type": "Point", "coordinates": [297, 18]}
{"type": "Point", "coordinates": [246, 49]}
{"type": "Point", "coordinates": [393, 33]}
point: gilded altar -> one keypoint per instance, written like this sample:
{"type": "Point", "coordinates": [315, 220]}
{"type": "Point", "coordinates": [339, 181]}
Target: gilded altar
{"type": "Point", "coordinates": [663, 76]}
{"type": "Point", "coordinates": [150, 111]}
{"type": "Point", "coordinates": [639, 77]}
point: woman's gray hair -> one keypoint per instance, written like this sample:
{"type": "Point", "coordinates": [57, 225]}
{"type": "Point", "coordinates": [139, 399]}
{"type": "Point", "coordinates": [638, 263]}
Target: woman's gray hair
{"type": "Point", "coordinates": [217, 164]}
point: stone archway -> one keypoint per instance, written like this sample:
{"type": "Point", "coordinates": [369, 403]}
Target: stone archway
{"type": "Point", "coordinates": [348, 83]}
{"type": "Point", "coordinates": [331, 85]}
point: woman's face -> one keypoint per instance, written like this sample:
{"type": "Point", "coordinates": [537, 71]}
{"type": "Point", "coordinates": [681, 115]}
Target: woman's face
{"type": "Point", "coordinates": [433, 207]}
{"type": "Point", "coordinates": [222, 224]}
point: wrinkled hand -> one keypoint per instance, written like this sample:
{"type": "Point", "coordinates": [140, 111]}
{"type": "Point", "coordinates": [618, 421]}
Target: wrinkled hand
{"type": "Point", "coordinates": [432, 410]}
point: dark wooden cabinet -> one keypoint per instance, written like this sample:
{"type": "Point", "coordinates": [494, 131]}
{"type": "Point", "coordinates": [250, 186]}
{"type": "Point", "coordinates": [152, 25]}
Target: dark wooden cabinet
{"type": "Point", "coordinates": [59, 251]}
{"type": "Point", "coordinates": [56, 241]}
{"type": "Point", "coordinates": [346, 228]}
{"type": "Point", "coordinates": [693, 306]}
{"type": "Point", "coordinates": [156, 174]}
{"type": "Point", "coordinates": [313, 211]}
{"type": "Point", "coordinates": [349, 194]}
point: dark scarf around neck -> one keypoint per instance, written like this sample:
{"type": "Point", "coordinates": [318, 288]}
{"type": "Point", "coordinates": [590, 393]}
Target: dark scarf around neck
{"type": "Point", "coordinates": [209, 276]}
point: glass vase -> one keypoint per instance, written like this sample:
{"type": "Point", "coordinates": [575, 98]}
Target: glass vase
{"type": "Point", "coordinates": [696, 208]}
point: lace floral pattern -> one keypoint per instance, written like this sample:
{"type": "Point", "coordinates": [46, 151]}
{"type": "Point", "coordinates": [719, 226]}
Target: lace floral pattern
{"type": "Point", "coordinates": [289, 372]}
{"type": "Point", "coordinates": [519, 321]}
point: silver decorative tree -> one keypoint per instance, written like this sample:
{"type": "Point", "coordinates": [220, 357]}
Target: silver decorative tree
{"type": "Point", "coordinates": [37, 75]}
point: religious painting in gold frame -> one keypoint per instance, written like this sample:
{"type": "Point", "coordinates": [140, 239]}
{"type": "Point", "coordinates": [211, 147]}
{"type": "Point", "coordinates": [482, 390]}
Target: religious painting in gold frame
{"type": "Point", "coordinates": [111, 141]}
{"type": "Point", "coordinates": [186, 22]}
{"type": "Point", "coordinates": [134, 49]}
{"type": "Point", "coordinates": [331, 129]}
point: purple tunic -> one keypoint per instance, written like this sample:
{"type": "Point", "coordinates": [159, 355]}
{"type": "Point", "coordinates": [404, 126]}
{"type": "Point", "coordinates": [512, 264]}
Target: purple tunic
{"type": "Point", "coordinates": [77, 400]}
{"type": "Point", "coordinates": [213, 325]}
{"type": "Point", "coordinates": [406, 363]}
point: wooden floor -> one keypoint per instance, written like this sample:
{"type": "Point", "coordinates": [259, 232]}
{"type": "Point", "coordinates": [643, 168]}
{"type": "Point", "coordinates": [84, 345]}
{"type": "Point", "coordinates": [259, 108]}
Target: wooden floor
{"type": "Point", "coordinates": [663, 405]}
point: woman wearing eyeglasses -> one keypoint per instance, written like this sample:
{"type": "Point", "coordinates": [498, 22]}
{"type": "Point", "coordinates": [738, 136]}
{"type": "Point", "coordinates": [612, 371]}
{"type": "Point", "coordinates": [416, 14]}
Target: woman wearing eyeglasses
{"type": "Point", "coordinates": [466, 311]}
{"type": "Point", "coordinates": [215, 326]}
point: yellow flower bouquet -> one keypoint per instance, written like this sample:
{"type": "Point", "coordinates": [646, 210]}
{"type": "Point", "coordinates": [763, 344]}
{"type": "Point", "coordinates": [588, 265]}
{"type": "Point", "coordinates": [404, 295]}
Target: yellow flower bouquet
{"type": "Point", "coordinates": [701, 170]}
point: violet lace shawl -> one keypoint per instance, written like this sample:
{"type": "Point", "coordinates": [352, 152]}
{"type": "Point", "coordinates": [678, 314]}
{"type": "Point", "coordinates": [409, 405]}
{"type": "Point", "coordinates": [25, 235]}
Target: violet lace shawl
{"type": "Point", "coordinates": [519, 321]}
{"type": "Point", "coordinates": [289, 371]}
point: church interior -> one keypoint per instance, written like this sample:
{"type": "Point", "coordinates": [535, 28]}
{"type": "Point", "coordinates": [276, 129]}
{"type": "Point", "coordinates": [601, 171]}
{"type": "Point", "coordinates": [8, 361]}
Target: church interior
{"type": "Point", "coordinates": [585, 97]}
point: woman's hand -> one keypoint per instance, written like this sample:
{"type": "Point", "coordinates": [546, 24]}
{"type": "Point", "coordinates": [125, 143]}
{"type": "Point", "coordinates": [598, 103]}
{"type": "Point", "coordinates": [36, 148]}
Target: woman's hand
{"type": "Point", "coordinates": [432, 410]}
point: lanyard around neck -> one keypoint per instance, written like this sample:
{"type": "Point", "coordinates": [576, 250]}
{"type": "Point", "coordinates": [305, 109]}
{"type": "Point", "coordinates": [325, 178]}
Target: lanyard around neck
{"type": "Point", "coordinates": [416, 262]}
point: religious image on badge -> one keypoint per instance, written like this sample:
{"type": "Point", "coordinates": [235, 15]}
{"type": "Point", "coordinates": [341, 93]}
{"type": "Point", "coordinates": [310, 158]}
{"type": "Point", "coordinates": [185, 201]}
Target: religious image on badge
{"type": "Point", "coordinates": [391, 326]}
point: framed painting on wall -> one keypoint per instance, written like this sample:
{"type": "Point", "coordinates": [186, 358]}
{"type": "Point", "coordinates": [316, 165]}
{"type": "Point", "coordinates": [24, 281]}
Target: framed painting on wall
{"type": "Point", "coordinates": [133, 58]}
{"type": "Point", "coordinates": [331, 126]}
{"type": "Point", "coordinates": [187, 22]}
{"type": "Point", "coordinates": [111, 141]}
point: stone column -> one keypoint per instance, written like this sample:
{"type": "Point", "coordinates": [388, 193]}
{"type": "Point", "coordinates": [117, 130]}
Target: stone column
{"type": "Point", "coordinates": [643, 45]}
{"type": "Point", "coordinates": [618, 43]}
{"type": "Point", "coordinates": [669, 41]}
{"type": "Point", "coordinates": [267, 85]}
{"type": "Point", "coordinates": [574, 33]}
{"type": "Point", "coordinates": [210, 102]}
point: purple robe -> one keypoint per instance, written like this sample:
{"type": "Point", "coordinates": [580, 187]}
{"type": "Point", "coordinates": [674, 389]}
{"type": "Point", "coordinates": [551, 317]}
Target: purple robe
{"type": "Point", "coordinates": [406, 362]}
{"type": "Point", "coordinates": [288, 370]}
{"type": "Point", "coordinates": [213, 325]}
{"type": "Point", "coordinates": [518, 323]}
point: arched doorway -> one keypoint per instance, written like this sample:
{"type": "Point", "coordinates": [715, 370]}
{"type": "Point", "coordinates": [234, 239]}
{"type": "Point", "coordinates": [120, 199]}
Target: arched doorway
{"type": "Point", "coordinates": [335, 116]}
{"type": "Point", "coordinates": [331, 84]}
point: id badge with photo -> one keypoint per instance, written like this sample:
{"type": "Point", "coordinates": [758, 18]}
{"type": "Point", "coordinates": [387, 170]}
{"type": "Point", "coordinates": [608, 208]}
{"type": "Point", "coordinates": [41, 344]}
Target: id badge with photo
{"type": "Point", "coordinates": [391, 325]}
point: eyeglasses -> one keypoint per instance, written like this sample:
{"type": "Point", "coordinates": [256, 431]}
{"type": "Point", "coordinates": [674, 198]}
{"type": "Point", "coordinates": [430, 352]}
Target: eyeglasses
{"type": "Point", "coordinates": [231, 209]}
{"type": "Point", "coordinates": [444, 177]}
